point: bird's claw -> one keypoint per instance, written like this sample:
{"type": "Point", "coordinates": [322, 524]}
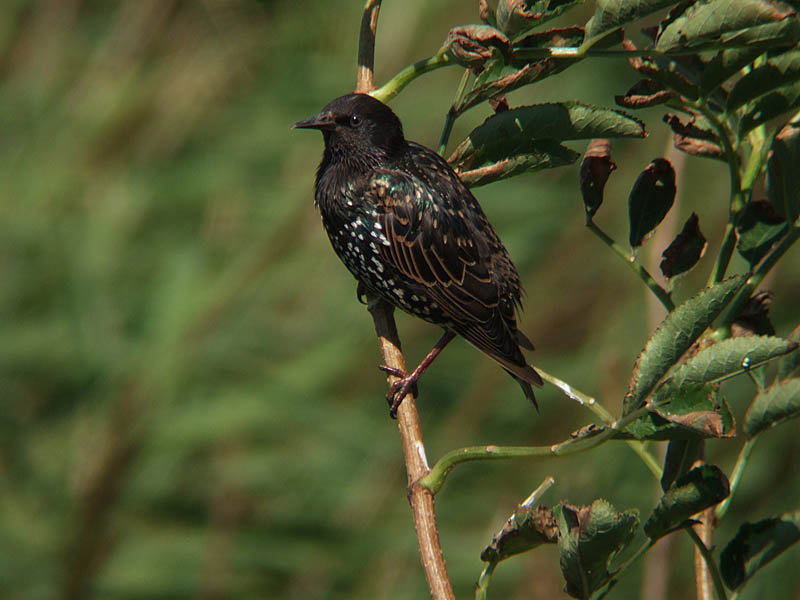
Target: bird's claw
{"type": "Point", "coordinates": [398, 389]}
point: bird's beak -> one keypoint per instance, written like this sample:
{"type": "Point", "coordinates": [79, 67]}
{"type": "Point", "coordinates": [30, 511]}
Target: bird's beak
{"type": "Point", "coordinates": [320, 121]}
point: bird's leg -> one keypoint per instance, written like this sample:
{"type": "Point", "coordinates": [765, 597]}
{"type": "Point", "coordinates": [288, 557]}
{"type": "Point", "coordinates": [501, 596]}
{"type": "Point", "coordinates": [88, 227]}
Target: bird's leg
{"type": "Point", "coordinates": [407, 383]}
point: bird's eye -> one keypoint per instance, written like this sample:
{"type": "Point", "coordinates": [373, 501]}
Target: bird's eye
{"type": "Point", "coordinates": [355, 120]}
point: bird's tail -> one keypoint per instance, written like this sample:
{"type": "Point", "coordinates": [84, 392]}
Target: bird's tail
{"type": "Point", "coordinates": [527, 376]}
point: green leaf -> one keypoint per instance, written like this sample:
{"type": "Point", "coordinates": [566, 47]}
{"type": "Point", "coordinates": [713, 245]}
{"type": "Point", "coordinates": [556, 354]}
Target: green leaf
{"type": "Point", "coordinates": [724, 64]}
{"type": "Point", "coordinates": [515, 16]}
{"type": "Point", "coordinates": [691, 493]}
{"type": "Point", "coordinates": [789, 363]}
{"type": "Point", "coordinates": [759, 227]}
{"type": "Point", "coordinates": [755, 545]}
{"type": "Point", "coordinates": [784, 99]}
{"type": "Point", "coordinates": [533, 156]}
{"type": "Point", "coordinates": [777, 404]}
{"type": "Point", "coordinates": [776, 72]}
{"type": "Point", "coordinates": [718, 24]}
{"type": "Point", "coordinates": [724, 359]}
{"type": "Point", "coordinates": [684, 413]}
{"type": "Point", "coordinates": [610, 15]}
{"type": "Point", "coordinates": [783, 176]}
{"type": "Point", "coordinates": [686, 249]}
{"type": "Point", "coordinates": [650, 200]}
{"type": "Point", "coordinates": [512, 132]}
{"type": "Point", "coordinates": [589, 539]}
{"type": "Point", "coordinates": [679, 330]}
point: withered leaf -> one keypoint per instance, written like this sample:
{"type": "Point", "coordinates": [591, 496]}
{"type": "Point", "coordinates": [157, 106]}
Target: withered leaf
{"type": "Point", "coordinates": [685, 250]}
{"type": "Point", "coordinates": [596, 168]}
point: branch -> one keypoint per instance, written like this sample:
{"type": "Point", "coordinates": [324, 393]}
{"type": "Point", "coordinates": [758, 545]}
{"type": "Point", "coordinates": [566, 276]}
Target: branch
{"type": "Point", "coordinates": [421, 498]}
{"type": "Point", "coordinates": [366, 46]}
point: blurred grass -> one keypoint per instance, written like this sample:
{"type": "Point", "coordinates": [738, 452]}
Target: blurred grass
{"type": "Point", "coordinates": [190, 401]}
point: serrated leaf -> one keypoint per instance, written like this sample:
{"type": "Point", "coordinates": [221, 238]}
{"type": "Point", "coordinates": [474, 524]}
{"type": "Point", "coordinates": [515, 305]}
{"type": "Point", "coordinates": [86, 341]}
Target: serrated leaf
{"type": "Point", "coordinates": [534, 156]}
{"type": "Point", "coordinates": [784, 99]}
{"type": "Point", "coordinates": [651, 198]}
{"type": "Point", "coordinates": [726, 63]}
{"type": "Point", "coordinates": [511, 132]}
{"type": "Point", "coordinates": [783, 176]}
{"type": "Point", "coordinates": [775, 405]}
{"type": "Point", "coordinates": [724, 359]}
{"type": "Point", "coordinates": [517, 16]}
{"type": "Point", "coordinates": [596, 167]}
{"type": "Point", "coordinates": [589, 539]}
{"type": "Point", "coordinates": [686, 249]}
{"type": "Point", "coordinates": [691, 493]}
{"type": "Point", "coordinates": [684, 413]}
{"type": "Point", "coordinates": [789, 363]}
{"type": "Point", "coordinates": [718, 24]}
{"type": "Point", "coordinates": [755, 545]}
{"type": "Point", "coordinates": [610, 15]}
{"type": "Point", "coordinates": [679, 330]}
{"type": "Point", "coordinates": [759, 228]}
{"type": "Point", "coordinates": [776, 72]}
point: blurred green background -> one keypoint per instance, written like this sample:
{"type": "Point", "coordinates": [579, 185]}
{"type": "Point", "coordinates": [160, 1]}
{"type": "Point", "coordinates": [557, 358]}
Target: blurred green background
{"type": "Point", "coordinates": [191, 405]}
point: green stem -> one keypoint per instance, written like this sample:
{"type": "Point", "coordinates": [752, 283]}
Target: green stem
{"type": "Point", "coordinates": [396, 84]}
{"type": "Point", "coordinates": [451, 116]}
{"type": "Point", "coordinates": [736, 475]}
{"type": "Point", "coordinates": [482, 588]}
{"type": "Point", "coordinates": [659, 292]}
{"type": "Point", "coordinates": [737, 200]}
{"type": "Point", "coordinates": [607, 418]}
{"type": "Point", "coordinates": [710, 563]}
{"type": "Point", "coordinates": [761, 271]}
{"type": "Point", "coordinates": [573, 52]}
{"type": "Point", "coordinates": [434, 480]}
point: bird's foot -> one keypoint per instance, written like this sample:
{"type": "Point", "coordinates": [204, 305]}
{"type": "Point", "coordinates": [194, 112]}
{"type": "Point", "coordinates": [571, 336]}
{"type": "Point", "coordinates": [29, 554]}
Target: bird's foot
{"type": "Point", "coordinates": [399, 389]}
{"type": "Point", "coordinates": [361, 293]}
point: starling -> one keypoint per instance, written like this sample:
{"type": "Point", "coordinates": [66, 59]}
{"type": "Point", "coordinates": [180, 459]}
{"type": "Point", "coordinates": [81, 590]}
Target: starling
{"type": "Point", "coordinates": [412, 234]}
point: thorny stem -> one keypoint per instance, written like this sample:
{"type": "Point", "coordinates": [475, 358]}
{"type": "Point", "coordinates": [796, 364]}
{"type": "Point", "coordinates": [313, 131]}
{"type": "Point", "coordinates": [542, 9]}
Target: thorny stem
{"type": "Point", "coordinates": [711, 564]}
{"type": "Point", "coordinates": [659, 292]}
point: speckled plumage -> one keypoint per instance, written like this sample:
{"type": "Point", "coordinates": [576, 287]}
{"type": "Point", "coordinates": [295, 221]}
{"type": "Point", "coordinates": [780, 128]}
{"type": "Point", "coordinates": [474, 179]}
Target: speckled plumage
{"type": "Point", "coordinates": [411, 232]}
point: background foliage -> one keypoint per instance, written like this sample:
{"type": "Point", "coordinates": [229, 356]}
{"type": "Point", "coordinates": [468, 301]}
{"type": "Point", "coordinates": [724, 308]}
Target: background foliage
{"type": "Point", "coordinates": [189, 407]}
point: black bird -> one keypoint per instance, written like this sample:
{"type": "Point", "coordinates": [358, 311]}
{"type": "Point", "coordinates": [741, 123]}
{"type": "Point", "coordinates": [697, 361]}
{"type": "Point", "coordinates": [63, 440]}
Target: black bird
{"type": "Point", "coordinates": [412, 233]}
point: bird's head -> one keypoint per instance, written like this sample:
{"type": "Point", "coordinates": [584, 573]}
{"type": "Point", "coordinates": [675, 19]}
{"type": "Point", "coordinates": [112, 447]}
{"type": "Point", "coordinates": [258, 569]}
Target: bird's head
{"type": "Point", "coordinates": [357, 125]}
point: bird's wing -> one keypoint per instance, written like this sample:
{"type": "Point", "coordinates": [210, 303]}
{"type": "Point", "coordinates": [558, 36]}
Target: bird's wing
{"type": "Point", "coordinates": [445, 243]}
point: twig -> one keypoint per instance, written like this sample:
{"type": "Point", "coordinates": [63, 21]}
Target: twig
{"type": "Point", "coordinates": [421, 498]}
{"type": "Point", "coordinates": [659, 292]}
{"type": "Point", "coordinates": [708, 558]}
{"type": "Point", "coordinates": [438, 473]}
{"type": "Point", "coordinates": [366, 46]}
